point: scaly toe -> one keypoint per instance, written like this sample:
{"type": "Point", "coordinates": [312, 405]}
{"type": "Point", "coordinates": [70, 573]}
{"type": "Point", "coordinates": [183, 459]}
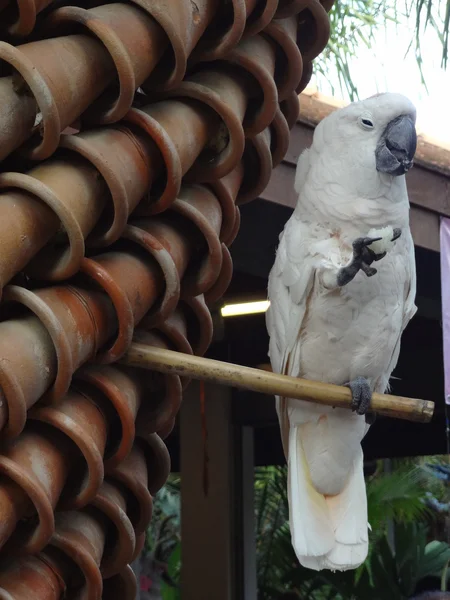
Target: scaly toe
{"type": "Point", "coordinates": [361, 395]}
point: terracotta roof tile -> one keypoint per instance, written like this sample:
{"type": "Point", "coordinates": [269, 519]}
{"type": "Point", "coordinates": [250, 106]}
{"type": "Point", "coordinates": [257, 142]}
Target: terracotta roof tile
{"type": "Point", "coordinates": [130, 133]}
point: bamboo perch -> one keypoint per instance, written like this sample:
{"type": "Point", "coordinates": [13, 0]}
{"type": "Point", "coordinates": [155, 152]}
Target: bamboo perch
{"type": "Point", "coordinates": [186, 365]}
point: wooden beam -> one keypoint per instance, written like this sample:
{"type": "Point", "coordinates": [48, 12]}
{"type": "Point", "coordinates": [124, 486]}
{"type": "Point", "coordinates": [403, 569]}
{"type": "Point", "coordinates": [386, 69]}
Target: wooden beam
{"type": "Point", "coordinates": [168, 361]}
{"type": "Point", "coordinates": [244, 521]}
{"type": "Point", "coordinates": [424, 228]}
{"type": "Point", "coordinates": [207, 520]}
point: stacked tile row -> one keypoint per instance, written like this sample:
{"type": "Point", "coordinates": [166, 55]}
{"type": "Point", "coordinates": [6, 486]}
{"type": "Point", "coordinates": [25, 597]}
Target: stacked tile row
{"type": "Point", "coordinates": [130, 134]}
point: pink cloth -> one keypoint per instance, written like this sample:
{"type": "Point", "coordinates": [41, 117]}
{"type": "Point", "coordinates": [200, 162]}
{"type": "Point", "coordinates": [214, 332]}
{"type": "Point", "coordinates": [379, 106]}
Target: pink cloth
{"type": "Point", "coordinates": [445, 295]}
{"type": "Point", "coordinates": [146, 583]}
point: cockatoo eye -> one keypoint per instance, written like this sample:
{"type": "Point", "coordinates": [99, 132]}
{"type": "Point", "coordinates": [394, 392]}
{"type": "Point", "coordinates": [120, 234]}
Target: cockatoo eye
{"type": "Point", "coordinates": [366, 122]}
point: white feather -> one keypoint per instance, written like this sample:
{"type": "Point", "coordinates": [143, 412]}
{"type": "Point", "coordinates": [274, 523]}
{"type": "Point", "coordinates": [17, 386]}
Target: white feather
{"type": "Point", "coordinates": [330, 334]}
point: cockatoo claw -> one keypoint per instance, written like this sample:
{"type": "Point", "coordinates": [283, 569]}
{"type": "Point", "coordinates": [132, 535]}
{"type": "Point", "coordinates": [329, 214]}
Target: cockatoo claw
{"type": "Point", "coordinates": [397, 234]}
{"type": "Point", "coordinates": [360, 243]}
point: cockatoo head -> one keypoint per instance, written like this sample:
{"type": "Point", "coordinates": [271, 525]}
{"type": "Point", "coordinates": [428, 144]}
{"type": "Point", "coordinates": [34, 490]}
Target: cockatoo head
{"type": "Point", "coordinates": [376, 133]}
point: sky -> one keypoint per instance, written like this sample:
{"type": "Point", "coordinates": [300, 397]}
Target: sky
{"type": "Point", "coordinates": [388, 67]}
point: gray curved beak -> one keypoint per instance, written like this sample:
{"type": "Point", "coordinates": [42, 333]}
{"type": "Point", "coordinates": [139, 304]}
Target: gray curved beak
{"type": "Point", "coordinates": [397, 146]}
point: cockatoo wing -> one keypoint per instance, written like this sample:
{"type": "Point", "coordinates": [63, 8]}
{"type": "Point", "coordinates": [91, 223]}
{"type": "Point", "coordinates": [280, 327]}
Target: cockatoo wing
{"type": "Point", "coordinates": [408, 309]}
{"type": "Point", "coordinates": [291, 283]}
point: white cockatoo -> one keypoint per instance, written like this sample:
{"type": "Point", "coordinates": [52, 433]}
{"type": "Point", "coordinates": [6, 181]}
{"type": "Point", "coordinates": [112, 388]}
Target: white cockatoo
{"type": "Point", "coordinates": [334, 318]}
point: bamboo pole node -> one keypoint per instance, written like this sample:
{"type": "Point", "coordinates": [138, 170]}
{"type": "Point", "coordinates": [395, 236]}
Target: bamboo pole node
{"type": "Point", "coordinates": [266, 382]}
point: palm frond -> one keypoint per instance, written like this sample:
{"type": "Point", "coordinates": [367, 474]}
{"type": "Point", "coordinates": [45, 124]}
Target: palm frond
{"type": "Point", "coordinates": [354, 23]}
{"type": "Point", "coordinates": [399, 496]}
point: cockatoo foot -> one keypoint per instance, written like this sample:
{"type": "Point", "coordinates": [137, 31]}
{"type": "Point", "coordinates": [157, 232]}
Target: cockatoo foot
{"type": "Point", "coordinates": [367, 250]}
{"type": "Point", "coordinates": [363, 257]}
{"type": "Point", "coordinates": [361, 395]}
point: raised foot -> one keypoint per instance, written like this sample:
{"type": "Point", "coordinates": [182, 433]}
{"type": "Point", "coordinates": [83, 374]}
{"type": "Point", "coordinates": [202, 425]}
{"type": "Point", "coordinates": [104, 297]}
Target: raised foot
{"type": "Point", "coordinates": [361, 395]}
{"type": "Point", "coordinates": [364, 256]}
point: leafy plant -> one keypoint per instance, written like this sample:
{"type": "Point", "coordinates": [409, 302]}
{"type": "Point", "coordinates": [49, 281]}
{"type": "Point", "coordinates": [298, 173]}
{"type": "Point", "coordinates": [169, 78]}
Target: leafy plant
{"type": "Point", "coordinates": [399, 495]}
{"type": "Point", "coordinates": [354, 23]}
{"type": "Point", "coordinates": [395, 575]}
{"type": "Point", "coordinates": [168, 590]}
{"type": "Point", "coordinates": [164, 531]}
{"type": "Point", "coordinates": [163, 542]}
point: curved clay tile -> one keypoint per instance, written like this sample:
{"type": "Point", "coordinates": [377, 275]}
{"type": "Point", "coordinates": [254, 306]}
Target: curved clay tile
{"type": "Point", "coordinates": [130, 132]}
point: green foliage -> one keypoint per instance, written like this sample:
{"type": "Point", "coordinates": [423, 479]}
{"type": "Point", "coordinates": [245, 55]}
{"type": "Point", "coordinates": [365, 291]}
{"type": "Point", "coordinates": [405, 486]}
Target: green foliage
{"type": "Point", "coordinates": [394, 576]}
{"type": "Point", "coordinates": [355, 22]}
{"type": "Point", "coordinates": [352, 23]}
{"type": "Point", "coordinates": [171, 592]}
{"type": "Point", "coordinates": [435, 486]}
{"type": "Point", "coordinates": [276, 560]}
{"type": "Point", "coordinates": [399, 496]}
{"type": "Point", "coordinates": [436, 14]}
{"type": "Point", "coordinates": [163, 542]}
{"type": "Point", "coordinates": [164, 531]}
